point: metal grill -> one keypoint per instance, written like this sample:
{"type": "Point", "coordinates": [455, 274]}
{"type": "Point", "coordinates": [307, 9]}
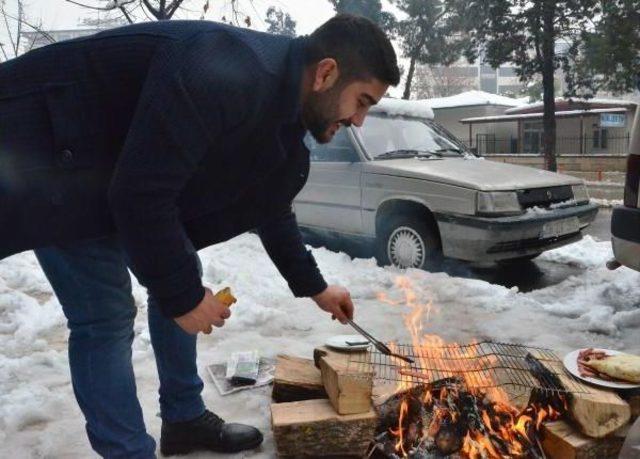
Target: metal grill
{"type": "Point", "coordinates": [481, 365]}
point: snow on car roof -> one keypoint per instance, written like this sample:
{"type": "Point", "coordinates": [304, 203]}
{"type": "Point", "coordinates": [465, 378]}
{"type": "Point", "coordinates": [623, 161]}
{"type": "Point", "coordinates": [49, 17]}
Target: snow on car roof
{"type": "Point", "coordinates": [473, 98]}
{"type": "Point", "coordinates": [401, 107]}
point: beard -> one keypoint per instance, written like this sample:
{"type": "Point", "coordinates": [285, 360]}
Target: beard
{"type": "Point", "coordinates": [320, 114]}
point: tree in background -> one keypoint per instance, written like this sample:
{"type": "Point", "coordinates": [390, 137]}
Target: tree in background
{"type": "Point", "coordinates": [429, 36]}
{"type": "Point", "coordinates": [607, 58]}
{"type": "Point", "coordinates": [280, 22]}
{"type": "Point", "coordinates": [440, 81]}
{"type": "Point", "coordinates": [371, 9]}
{"type": "Point", "coordinates": [149, 10]}
{"type": "Point", "coordinates": [14, 24]}
{"type": "Point", "coordinates": [525, 33]}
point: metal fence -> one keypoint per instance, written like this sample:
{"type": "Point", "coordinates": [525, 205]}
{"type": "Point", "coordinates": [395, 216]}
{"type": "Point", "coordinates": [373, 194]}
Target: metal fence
{"type": "Point", "coordinates": [532, 144]}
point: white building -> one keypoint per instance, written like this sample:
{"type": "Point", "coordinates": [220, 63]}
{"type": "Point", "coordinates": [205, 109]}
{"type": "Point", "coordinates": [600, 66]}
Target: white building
{"type": "Point", "coordinates": [448, 111]}
{"type": "Point", "coordinates": [583, 127]}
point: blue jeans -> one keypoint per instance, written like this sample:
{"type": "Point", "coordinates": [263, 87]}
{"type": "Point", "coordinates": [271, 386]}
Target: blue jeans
{"type": "Point", "coordinates": [91, 281]}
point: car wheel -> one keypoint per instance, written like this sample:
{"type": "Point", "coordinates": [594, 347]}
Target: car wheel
{"type": "Point", "coordinates": [408, 242]}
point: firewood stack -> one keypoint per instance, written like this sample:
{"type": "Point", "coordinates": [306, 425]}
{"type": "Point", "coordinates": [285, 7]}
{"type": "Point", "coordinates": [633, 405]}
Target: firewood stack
{"type": "Point", "coordinates": [597, 422]}
{"type": "Point", "coordinates": [320, 409]}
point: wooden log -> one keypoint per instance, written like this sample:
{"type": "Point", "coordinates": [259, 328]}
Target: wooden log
{"type": "Point", "coordinates": [296, 379]}
{"type": "Point", "coordinates": [344, 357]}
{"type": "Point", "coordinates": [560, 440]}
{"type": "Point", "coordinates": [312, 428]}
{"type": "Point", "coordinates": [348, 386]}
{"type": "Point", "coordinates": [633, 399]}
{"type": "Point", "coordinates": [596, 412]}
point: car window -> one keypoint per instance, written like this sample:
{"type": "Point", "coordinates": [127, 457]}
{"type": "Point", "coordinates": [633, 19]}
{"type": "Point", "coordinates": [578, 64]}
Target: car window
{"type": "Point", "coordinates": [386, 134]}
{"type": "Point", "coordinates": [340, 149]}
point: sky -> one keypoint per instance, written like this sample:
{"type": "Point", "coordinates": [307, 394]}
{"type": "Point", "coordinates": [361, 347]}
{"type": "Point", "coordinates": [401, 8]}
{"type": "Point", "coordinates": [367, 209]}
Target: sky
{"type": "Point", "coordinates": [309, 14]}
{"type": "Point", "coordinates": [60, 14]}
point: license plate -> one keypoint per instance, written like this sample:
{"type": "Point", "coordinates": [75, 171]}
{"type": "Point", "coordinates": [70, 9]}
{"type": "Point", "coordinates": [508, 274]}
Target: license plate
{"type": "Point", "coordinates": [560, 227]}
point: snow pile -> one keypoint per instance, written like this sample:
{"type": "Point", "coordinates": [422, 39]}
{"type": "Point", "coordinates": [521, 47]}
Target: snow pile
{"type": "Point", "coordinates": [401, 107]}
{"type": "Point", "coordinates": [588, 253]}
{"type": "Point", "coordinates": [39, 416]}
{"type": "Point", "coordinates": [472, 98]}
{"type": "Point", "coordinates": [606, 202]}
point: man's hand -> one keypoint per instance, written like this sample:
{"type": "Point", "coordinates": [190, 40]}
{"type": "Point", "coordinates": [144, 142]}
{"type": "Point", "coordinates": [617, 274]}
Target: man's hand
{"type": "Point", "coordinates": [337, 301]}
{"type": "Point", "coordinates": [210, 311]}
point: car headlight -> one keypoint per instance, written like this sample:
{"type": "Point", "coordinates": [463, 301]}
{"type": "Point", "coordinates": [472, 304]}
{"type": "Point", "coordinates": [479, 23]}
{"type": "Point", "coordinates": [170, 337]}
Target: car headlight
{"type": "Point", "coordinates": [498, 203]}
{"type": "Point", "coordinates": [580, 193]}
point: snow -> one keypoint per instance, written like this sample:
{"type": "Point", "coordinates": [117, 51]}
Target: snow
{"type": "Point", "coordinates": [606, 202]}
{"type": "Point", "coordinates": [401, 107]}
{"type": "Point", "coordinates": [515, 115]}
{"type": "Point", "coordinates": [536, 210]}
{"type": "Point", "coordinates": [39, 416]}
{"type": "Point", "coordinates": [472, 98]}
{"type": "Point", "coordinates": [540, 105]}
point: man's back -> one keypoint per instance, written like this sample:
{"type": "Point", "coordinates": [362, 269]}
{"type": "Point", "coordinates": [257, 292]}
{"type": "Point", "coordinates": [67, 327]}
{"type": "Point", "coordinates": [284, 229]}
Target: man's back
{"type": "Point", "coordinates": [68, 109]}
{"type": "Point", "coordinates": [104, 74]}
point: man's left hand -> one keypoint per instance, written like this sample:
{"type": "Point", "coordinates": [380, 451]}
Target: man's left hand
{"type": "Point", "coordinates": [336, 301]}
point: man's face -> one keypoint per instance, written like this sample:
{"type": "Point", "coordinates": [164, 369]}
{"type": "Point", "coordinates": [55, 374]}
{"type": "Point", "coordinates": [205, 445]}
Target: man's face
{"type": "Point", "coordinates": [332, 104]}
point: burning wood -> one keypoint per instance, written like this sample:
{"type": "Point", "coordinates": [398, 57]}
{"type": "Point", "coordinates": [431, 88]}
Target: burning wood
{"type": "Point", "coordinates": [441, 419]}
{"type": "Point", "coordinates": [450, 404]}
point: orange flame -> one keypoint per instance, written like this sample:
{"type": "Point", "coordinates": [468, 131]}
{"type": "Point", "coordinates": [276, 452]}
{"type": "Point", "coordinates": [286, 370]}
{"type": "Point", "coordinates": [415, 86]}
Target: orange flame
{"type": "Point", "coordinates": [500, 419]}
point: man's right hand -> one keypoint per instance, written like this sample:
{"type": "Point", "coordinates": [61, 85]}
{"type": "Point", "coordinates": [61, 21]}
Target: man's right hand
{"type": "Point", "coordinates": [209, 312]}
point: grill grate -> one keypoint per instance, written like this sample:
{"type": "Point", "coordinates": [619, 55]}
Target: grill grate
{"type": "Point", "coordinates": [481, 365]}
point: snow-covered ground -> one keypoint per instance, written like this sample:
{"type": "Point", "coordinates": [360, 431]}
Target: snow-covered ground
{"type": "Point", "coordinates": [39, 416]}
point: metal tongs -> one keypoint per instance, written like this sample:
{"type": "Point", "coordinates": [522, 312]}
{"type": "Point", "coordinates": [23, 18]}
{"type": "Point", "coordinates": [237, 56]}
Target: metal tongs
{"type": "Point", "coordinates": [379, 345]}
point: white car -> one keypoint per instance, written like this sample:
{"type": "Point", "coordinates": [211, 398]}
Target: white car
{"type": "Point", "coordinates": [410, 187]}
{"type": "Point", "coordinates": [625, 220]}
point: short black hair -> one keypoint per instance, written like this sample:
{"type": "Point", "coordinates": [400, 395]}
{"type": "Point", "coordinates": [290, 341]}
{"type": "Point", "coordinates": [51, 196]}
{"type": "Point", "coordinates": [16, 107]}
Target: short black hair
{"type": "Point", "coordinates": [359, 46]}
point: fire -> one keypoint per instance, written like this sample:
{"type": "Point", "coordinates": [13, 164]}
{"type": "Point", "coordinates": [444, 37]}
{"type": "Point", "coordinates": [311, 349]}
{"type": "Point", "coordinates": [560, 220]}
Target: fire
{"type": "Point", "coordinates": [470, 414]}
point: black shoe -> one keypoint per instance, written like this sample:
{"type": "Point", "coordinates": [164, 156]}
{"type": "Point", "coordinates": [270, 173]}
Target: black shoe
{"type": "Point", "coordinates": [207, 432]}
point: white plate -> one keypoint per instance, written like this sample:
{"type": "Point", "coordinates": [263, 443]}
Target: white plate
{"type": "Point", "coordinates": [341, 342]}
{"type": "Point", "coordinates": [571, 364]}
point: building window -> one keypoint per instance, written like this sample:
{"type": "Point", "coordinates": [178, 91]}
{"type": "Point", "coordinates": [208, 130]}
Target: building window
{"type": "Point", "coordinates": [507, 72]}
{"type": "Point", "coordinates": [486, 143]}
{"type": "Point", "coordinates": [489, 84]}
{"type": "Point", "coordinates": [601, 138]}
{"type": "Point", "coordinates": [532, 139]}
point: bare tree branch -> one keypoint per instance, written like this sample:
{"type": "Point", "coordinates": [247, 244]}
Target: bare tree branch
{"type": "Point", "coordinates": [115, 5]}
{"type": "Point", "coordinates": [152, 10]}
{"type": "Point", "coordinates": [174, 7]}
{"type": "Point", "coordinates": [19, 31]}
{"type": "Point", "coordinates": [126, 14]}
{"type": "Point", "coordinates": [8, 27]}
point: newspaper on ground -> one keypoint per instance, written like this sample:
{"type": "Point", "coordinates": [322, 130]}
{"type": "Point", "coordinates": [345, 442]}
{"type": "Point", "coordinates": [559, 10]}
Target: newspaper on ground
{"type": "Point", "coordinates": [243, 367]}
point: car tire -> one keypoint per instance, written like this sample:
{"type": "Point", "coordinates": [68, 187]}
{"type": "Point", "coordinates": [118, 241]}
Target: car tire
{"type": "Point", "coordinates": [409, 241]}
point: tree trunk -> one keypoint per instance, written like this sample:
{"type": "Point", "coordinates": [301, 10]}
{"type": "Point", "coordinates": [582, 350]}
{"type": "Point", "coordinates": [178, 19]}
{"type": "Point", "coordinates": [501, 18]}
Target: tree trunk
{"type": "Point", "coordinates": [407, 85]}
{"type": "Point", "coordinates": [548, 85]}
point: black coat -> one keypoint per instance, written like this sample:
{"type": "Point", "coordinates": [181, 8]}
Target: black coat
{"type": "Point", "coordinates": [159, 132]}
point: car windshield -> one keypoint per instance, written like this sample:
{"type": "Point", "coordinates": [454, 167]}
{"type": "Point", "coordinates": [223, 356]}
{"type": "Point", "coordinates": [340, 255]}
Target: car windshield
{"type": "Point", "coordinates": [386, 137]}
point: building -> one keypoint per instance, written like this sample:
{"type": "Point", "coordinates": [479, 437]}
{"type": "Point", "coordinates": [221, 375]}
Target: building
{"type": "Point", "coordinates": [449, 110]}
{"type": "Point", "coordinates": [37, 39]}
{"type": "Point", "coordinates": [483, 77]}
{"type": "Point", "coordinates": [583, 127]}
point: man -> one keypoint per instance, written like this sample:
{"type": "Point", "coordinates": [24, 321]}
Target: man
{"type": "Point", "coordinates": [140, 145]}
